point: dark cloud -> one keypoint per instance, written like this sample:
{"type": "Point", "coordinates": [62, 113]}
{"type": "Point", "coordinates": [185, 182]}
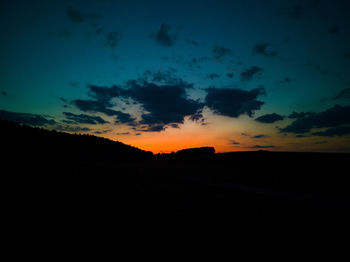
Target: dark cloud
{"type": "Point", "coordinates": [3, 93]}
{"type": "Point", "coordinates": [113, 39]}
{"type": "Point", "coordinates": [262, 50]}
{"type": "Point", "coordinates": [260, 136]}
{"type": "Point", "coordinates": [123, 133]}
{"type": "Point", "coordinates": [250, 73]}
{"type": "Point", "coordinates": [333, 117]}
{"type": "Point", "coordinates": [165, 104]}
{"type": "Point", "coordinates": [100, 132]}
{"type": "Point", "coordinates": [24, 118]}
{"type": "Point", "coordinates": [334, 131]}
{"type": "Point", "coordinates": [192, 42]}
{"type": "Point", "coordinates": [343, 94]}
{"type": "Point", "coordinates": [220, 51]}
{"type": "Point", "coordinates": [104, 94]}
{"type": "Point", "coordinates": [213, 76]}
{"type": "Point", "coordinates": [233, 102]}
{"type": "Point", "coordinates": [269, 118]}
{"type": "Point", "coordinates": [124, 118]}
{"type": "Point", "coordinates": [151, 128]}
{"type": "Point", "coordinates": [299, 115]}
{"type": "Point", "coordinates": [74, 84]}
{"type": "Point", "coordinates": [77, 16]}
{"type": "Point", "coordinates": [84, 119]}
{"type": "Point", "coordinates": [68, 128]}
{"type": "Point", "coordinates": [163, 77]}
{"type": "Point", "coordinates": [198, 116]}
{"type": "Point", "coordinates": [234, 142]}
{"type": "Point", "coordinates": [286, 80]}
{"type": "Point", "coordinates": [164, 37]}
{"type": "Point", "coordinates": [230, 75]}
{"type": "Point", "coordinates": [94, 106]}
{"type": "Point", "coordinates": [308, 7]}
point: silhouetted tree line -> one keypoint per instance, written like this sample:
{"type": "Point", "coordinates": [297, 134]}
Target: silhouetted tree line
{"type": "Point", "coordinates": [23, 140]}
{"type": "Point", "coordinates": [201, 153]}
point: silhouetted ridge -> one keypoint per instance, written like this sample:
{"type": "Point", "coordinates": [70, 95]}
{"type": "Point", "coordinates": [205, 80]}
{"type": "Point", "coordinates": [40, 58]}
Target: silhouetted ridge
{"type": "Point", "coordinates": [200, 153]}
{"type": "Point", "coordinates": [22, 139]}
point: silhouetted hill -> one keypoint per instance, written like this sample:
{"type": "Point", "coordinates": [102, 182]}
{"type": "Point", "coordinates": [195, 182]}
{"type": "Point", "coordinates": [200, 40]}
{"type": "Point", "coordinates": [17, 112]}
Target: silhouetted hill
{"type": "Point", "coordinates": [200, 153]}
{"type": "Point", "coordinates": [25, 140]}
{"type": "Point", "coordinates": [58, 176]}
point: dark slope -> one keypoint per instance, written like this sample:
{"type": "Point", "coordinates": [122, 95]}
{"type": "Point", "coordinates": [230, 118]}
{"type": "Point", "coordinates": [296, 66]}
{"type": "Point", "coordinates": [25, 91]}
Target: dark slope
{"type": "Point", "coordinates": [59, 176]}
{"type": "Point", "coordinates": [25, 140]}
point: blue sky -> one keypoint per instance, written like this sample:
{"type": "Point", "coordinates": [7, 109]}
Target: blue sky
{"type": "Point", "coordinates": [294, 54]}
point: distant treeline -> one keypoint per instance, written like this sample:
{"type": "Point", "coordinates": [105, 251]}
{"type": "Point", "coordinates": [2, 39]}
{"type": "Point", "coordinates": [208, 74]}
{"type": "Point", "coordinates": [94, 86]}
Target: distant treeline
{"type": "Point", "coordinates": [20, 140]}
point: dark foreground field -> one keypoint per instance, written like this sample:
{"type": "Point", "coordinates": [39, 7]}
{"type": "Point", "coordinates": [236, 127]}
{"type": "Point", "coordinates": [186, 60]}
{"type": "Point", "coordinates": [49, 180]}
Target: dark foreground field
{"type": "Point", "coordinates": [51, 177]}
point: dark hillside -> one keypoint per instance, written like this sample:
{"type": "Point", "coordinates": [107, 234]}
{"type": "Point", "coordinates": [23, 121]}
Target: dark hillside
{"type": "Point", "coordinates": [61, 176]}
{"type": "Point", "coordinates": [25, 140]}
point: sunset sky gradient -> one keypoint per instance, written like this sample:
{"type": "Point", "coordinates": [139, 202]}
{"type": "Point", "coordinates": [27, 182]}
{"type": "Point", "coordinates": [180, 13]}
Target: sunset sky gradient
{"type": "Point", "coordinates": [168, 75]}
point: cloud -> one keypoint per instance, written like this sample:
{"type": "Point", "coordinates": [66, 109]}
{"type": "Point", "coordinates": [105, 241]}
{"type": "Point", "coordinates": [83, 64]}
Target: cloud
{"type": "Point", "coordinates": [230, 75]}
{"type": "Point", "coordinates": [213, 76]}
{"type": "Point", "coordinates": [24, 118]}
{"type": "Point", "coordinates": [77, 16]}
{"type": "Point", "coordinates": [299, 115]}
{"type": "Point", "coordinates": [220, 51]}
{"type": "Point", "coordinates": [104, 94]}
{"type": "Point", "coordinates": [269, 118]}
{"type": "Point", "coordinates": [286, 80]}
{"type": "Point", "coordinates": [192, 42]}
{"type": "Point", "coordinates": [233, 102]}
{"type": "Point", "coordinates": [164, 37]}
{"type": "Point", "coordinates": [334, 131]}
{"type": "Point", "coordinates": [343, 94]}
{"type": "Point", "coordinates": [233, 142]}
{"type": "Point", "coordinates": [123, 134]}
{"type": "Point", "coordinates": [3, 93]}
{"type": "Point", "coordinates": [332, 117]}
{"type": "Point", "coordinates": [100, 132]}
{"type": "Point", "coordinates": [250, 73]}
{"type": "Point", "coordinates": [198, 116]}
{"type": "Point", "coordinates": [262, 50]}
{"type": "Point", "coordinates": [113, 39]}
{"type": "Point", "coordinates": [68, 128]}
{"type": "Point", "coordinates": [260, 136]}
{"type": "Point", "coordinates": [124, 118]}
{"type": "Point", "coordinates": [84, 119]}
{"type": "Point", "coordinates": [165, 104]}
{"type": "Point", "coordinates": [162, 77]}
{"type": "Point", "coordinates": [94, 106]}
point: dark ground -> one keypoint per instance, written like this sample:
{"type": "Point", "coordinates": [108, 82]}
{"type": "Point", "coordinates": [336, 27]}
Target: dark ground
{"type": "Point", "coordinates": [54, 177]}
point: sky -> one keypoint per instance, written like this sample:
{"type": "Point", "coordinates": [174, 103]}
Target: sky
{"type": "Point", "coordinates": [167, 75]}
